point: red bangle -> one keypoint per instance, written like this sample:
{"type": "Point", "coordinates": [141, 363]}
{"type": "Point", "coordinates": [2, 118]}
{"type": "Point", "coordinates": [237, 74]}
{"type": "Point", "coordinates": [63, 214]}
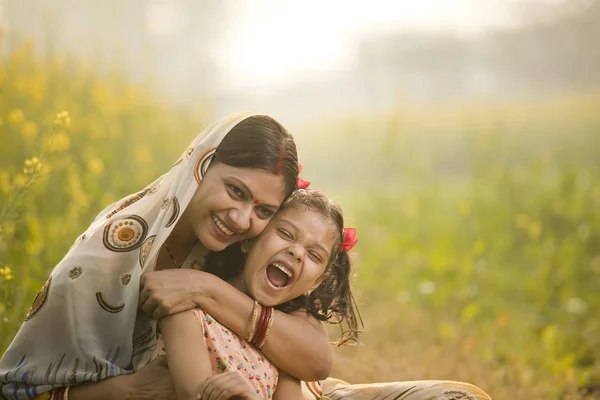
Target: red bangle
{"type": "Point", "coordinates": [259, 328]}
{"type": "Point", "coordinates": [58, 394]}
{"type": "Point", "coordinates": [267, 330]}
{"type": "Point", "coordinates": [264, 321]}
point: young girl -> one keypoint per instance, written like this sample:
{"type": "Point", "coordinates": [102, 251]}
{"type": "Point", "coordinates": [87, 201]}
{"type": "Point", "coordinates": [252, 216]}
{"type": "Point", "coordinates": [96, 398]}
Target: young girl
{"type": "Point", "coordinates": [299, 264]}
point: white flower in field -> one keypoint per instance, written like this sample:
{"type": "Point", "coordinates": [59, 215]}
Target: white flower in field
{"type": "Point", "coordinates": [576, 306]}
{"type": "Point", "coordinates": [427, 287]}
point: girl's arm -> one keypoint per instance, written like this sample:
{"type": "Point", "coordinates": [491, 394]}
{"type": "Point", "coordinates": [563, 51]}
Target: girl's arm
{"type": "Point", "coordinates": [297, 343]}
{"type": "Point", "coordinates": [288, 388]}
{"type": "Point", "coordinates": [189, 363]}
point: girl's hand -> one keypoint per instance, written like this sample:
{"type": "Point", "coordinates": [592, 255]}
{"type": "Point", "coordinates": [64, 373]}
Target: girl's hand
{"type": "Point", "coordinates": [228, 385]}
{"type": "Point", "coordinates": [169, 292]}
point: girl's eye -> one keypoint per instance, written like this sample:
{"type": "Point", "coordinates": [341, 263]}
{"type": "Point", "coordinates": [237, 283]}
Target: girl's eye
{"type": "Point", "coordinates": [235, 191]}
{"type": "Point", "coordinates": [284, 234]}
{"type": "Point", "coordinates": [264, 213]}
{"type": "Point", "coordinates": [315, 256]}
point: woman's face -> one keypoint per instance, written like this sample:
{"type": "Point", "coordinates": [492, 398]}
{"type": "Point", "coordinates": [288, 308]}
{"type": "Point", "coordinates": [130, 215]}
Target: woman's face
{"type": "Point", "coordinates": [290, 257]}
{"type": "Point", "coordinates": [233, 204]}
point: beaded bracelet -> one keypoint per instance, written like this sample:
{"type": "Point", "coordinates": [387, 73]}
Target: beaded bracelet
{"type": "Point", "coordinates": [253, 323]}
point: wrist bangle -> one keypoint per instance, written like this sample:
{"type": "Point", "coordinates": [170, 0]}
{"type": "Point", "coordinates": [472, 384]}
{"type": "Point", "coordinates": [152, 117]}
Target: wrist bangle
{"type": "Point", "coordinates": [58, 394]}
{"type": "Point", "coordinates": [260, 327]}
{"type": "Point", "coordinates": [253, 322]}
{"type": "Point", "coordinates": [66, 395]}
{"type": "Point", "coordinates": [262, 343]}
{"type": "Point", "coordinates": [264, 322]}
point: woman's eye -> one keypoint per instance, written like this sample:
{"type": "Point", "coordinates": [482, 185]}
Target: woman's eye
{"type": "Point", "coordinates": [264, 213]}
{"type": "Point", "coordinates": [235, 191]}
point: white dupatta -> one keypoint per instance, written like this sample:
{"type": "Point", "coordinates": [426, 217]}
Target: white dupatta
{"type": "Point", "coordinates": [82, 325]}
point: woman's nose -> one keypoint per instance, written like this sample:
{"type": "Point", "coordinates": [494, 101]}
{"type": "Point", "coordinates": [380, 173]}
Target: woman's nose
{"type": "Point", "coordinates": [240, 218]}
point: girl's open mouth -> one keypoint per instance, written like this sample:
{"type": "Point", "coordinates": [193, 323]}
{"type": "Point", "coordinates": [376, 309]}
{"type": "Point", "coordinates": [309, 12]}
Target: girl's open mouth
{"type": "Point", "coordinates": [279, 275]}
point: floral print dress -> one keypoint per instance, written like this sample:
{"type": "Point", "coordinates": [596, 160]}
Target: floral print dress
{"type": "Point", "coordinates": [228, 352]}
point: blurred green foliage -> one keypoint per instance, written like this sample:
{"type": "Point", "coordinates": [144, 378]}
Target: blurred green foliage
{"type": "Point", "coordinates": [486, 215]}
{"type": "Point", "coordinates": [72, 143]}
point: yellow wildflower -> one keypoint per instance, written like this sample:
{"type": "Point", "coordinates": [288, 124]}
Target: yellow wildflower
{"type": "Point", "coordinates": [63, 119]}
{"type": "Point", "coordinates": [58, 142]}
{"type": "Point", "coordinates": [19, 180]}
{"type": "Point", "coordinates": [95, 166]}
{"type": "Point", "coordinates": [535, 230]}
{"type": "Point", "coordinates": [16, 117]}
{"type": "Point", "coordinates": [30, 130]}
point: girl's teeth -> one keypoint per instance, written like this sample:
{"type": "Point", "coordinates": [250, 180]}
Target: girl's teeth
{"type": "Point", "coordinates": [222, 227]}
{"type": "Point", "coordinates": [283, 269]}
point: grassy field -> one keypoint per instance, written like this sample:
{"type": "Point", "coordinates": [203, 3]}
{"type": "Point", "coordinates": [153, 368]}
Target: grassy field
{"type": "Point", "coordinates": [479, 224]}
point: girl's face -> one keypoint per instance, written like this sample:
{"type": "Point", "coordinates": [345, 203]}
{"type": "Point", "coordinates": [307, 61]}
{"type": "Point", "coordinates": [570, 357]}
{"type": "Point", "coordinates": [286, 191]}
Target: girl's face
{"type": "Point", "coordinates": [290, 257]}
{"type": "Point", "coordinates": [233, 204]}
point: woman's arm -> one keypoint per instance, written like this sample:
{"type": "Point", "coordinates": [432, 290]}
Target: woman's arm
{"type": "Point", "coordinates": [297, 344]}
{"type": "Point", "coordinates": [151, 382]}
{"type": "Point", "coordinates": [111, 388]}
{"type": "Point", "coordinates": [288, 388]}
{"type": "Point", "coordinates": [189, 362]}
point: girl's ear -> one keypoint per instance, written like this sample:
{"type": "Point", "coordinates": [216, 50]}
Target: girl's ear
{"type": "Point", "coordinates": [246, 245]}
{"type": "Point", "coordinates": [317, 283]}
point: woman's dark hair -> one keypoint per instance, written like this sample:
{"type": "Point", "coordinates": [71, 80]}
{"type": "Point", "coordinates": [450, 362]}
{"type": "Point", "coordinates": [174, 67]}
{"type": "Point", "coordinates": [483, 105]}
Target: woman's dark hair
{"type": "Point", "coordinates": [332, 300]}
{"type": "Point", "coordinates": [261, 142]}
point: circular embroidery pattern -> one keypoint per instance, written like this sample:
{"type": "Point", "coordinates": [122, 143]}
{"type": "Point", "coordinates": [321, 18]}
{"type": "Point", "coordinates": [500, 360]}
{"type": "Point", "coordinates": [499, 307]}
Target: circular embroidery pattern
{"type": "Point", "coordinates": [153, 189]}
{"type": "Point", "coordinates": [203, 163]}
{"type": "Point", "coordinates": [107, 307]}
{"type": "Point", "coordinates": [75, 272]}
{"type": "Point", "coordinates": [174, 212]}
{"type": "Point", "coordinates": [40, 300]}
{"type": "Point", "coordinates": [145, 249]}
{"type": "Point", "coordinates": [189, 152]}
{"type": "Point", "coordinates": [124, 279]}
{"type": "Point", "coordinates": [125, 234]}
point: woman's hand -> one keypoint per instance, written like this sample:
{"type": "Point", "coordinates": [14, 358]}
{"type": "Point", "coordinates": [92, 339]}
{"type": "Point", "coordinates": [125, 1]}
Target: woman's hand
{"type": "Point", "coordinates": [169, 292]}
{"type": "Point", "coordinates": [226, 386]}
{"type": "Point", "coordinates": [153, 382]}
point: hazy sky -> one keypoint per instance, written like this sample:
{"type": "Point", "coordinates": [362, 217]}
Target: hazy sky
{"type": "Point", "coordinates": [270, 41]}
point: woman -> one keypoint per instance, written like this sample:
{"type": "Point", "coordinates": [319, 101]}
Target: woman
{"type": "Point", "coordinates": [84, 325]}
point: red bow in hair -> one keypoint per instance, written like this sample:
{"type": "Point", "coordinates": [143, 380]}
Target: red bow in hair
{"type": "Point", "coordinates": [349, 239]}
{"type": "Point", "coordinates": [302, 184]}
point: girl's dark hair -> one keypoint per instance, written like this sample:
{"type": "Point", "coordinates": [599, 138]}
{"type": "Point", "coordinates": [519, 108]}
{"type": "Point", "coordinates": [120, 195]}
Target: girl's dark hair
{"type": "Point", "coordinates": [332, 300]}
{"type": "Point", "coordinates": [261, 142]}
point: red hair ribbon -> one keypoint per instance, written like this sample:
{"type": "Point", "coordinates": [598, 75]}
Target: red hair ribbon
{"type": "Point", "coordinates": [302, 184]}
{"type": "Point", "coordinates": [348, 239]}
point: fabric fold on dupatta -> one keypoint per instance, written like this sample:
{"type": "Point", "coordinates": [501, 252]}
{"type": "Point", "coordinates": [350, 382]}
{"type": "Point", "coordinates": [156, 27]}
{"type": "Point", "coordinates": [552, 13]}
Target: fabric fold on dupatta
{"type": "Point", "coordinates": [83, 324]}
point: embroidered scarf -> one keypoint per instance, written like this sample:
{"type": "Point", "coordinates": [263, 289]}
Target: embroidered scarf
{"type": "Point", "coordinates": [84, 324]}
